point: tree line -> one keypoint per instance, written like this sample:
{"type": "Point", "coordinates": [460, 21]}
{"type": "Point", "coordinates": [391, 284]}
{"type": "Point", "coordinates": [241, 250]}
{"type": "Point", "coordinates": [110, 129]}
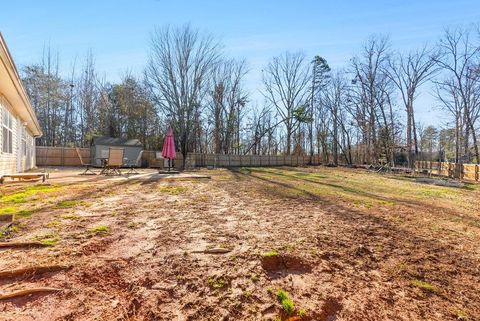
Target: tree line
{"type": "Point", "coordinates": [362, 113]}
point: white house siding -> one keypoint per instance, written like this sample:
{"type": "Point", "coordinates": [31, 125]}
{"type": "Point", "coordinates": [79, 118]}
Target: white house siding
{"type": "Point", "coordinates": [9, 163]}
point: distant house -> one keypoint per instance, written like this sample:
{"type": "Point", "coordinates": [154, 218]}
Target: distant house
{"type": "Point", "coordinates": [19, 125]}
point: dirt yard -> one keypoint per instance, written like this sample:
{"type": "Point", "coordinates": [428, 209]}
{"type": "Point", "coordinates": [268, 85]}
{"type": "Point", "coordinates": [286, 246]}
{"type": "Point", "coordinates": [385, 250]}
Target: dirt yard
{"type": "Point", "coordinates": [247, 244]}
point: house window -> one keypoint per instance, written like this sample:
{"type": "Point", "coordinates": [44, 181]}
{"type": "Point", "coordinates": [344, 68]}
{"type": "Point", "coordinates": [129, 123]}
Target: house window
{"type": "Point", "coordinates": [24, 142]}
{"type": "Point", "coordinates": [7, 131]}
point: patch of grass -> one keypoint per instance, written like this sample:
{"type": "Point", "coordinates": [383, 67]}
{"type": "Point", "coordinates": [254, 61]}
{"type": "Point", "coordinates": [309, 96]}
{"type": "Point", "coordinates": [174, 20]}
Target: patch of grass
{"type": "Point", "coordinates": [24, 213]}
{"type": "Point", "coordinates": [216, 282]}
{"type": "Point", "coordinates": [254, 277]}
{"type": "Point", "coordinates": [174, 190]}
{"type": "Point", "coordinates": [99, 229]}
{"type": "Point", "coordinates": [15, 198]}
{"type": "Point", "coordinates": [70, 217]}
{"type": "Point", "coordinates": [425, 286]}
{"type": "Point", "coordinates": [68, 204]}
{"type": "Point", "coordinates": [271, 253]}
{"type": "Point", "coordinates": [287, 303]}
{"type": "Point", "coordinates": [431, 193]}
{"type": "Point", "coordinates": [8, 210]}
{"type": "Point", "coordinates": [50, 242]}
{"type": "Point", "coordinates": [247, 294]}
{"type": "Point", "coordinates": [132, 225]}
{"type": "Point", "coordinates": [13, 210]}
{"type": "Point", "coordinates": [54, 224]}
{"type": "Point", "coordinates": [23, 196]}
{"type": "Point", "coordinates": [47, 239]}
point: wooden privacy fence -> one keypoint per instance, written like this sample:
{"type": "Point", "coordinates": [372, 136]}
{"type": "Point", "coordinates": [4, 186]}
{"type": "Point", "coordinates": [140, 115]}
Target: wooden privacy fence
{"type": "Point", "coordinates": [67, 156]}
{"type": "Point", "coordinates": [452, 170]}
{"type": "Point", "coordinates": [221, 160]}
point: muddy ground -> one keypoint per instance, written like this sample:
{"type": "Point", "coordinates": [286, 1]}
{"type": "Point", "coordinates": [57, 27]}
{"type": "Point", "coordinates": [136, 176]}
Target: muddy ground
{"type": "Point", "coordinates": [295, 244]}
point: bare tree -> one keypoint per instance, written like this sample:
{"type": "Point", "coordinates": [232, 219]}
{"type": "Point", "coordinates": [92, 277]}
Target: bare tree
{"type": "Point", "coordinates": [408, 72]}
{"type": "Point", "coordinates": [459, 92]}
{"type": "Point", "coordinates": [286, 80]}
{"type": "Point", "coordinates": [368, 70]}
{"type": "Point", "coordinates": [178, 71]}
{"type": "Point", "coordinates": [227, 100]}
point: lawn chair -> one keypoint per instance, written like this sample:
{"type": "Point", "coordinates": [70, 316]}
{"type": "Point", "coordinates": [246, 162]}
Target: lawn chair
{"type": "Point", "coordinates": [87, 166]}
{"type": "Point", "coordinates": [114, 161]}
{"type": "Point", "coordinates": [133, 164]}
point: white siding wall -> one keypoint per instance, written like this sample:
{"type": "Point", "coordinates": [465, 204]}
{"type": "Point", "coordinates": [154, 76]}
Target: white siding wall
{"type": "Point", "coordinates": [8, 161]}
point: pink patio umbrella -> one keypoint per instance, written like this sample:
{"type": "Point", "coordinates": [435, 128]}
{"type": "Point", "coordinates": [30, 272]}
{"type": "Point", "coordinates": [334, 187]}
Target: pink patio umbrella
{"type": "Point", "coordinates": [168, 150]}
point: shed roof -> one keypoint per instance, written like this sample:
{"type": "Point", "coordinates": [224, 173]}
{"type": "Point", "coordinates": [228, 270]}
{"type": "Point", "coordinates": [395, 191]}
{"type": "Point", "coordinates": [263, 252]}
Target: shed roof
{"type": "Point", "coordinates": [115, 141]}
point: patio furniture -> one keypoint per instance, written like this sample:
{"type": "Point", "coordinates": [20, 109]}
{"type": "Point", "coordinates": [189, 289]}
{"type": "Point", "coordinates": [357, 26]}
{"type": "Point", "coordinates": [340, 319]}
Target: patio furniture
{"type": "Point", "coordinates": [134, 164]}
{"type": "Point", "coordinates": [114, 161]}
{"type": "Point", "coordinates": [87, 166]}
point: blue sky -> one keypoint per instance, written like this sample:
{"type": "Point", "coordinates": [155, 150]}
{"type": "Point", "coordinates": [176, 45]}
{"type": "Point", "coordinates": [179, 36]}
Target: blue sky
{"type": "Point", "coordinates": [117, 31]}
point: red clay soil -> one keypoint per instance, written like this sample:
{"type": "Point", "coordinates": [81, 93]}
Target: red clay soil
{"type": "Point", "coordinates": [335, 260]}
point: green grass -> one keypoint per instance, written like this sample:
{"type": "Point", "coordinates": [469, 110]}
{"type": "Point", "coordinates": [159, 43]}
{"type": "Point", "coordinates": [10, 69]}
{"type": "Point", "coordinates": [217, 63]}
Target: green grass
{"type": "Point", "coordinates": [8, 210]}
{"type": "Point", "coordinates": [271, 253]}
{"type": "Point", "coordinates": [68, 204]}
{"type": "Point", "coordinates": [47, 239]}
{"type": "Point", "coordinates": [14, 210]}
{"type": "Point", "coordinates": [54, 224]}
{"type": "Point", "coordinates": [287, 303]}
{"type": "Point", "coordinates": [425, 286]}
{"type": "Point", "coordinates": [99, 229]}
{"type": "Point", "coordinates": [172, 190]}
{"type": "Point", "coordinates": [70, 217]}
{"type": "Point", "coordinates": [216, 282]}
{"type": "Point", "coordinates": [132, 225]}
{"type": "Point", "coordinates": [50, 241]}
{"type": "Point", "coordinates": [23, 197]}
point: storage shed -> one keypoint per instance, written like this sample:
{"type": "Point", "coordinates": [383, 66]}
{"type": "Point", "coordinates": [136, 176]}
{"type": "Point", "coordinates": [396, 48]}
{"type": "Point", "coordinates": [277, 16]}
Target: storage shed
{"type": "Point", "coordinates": [101, 144]}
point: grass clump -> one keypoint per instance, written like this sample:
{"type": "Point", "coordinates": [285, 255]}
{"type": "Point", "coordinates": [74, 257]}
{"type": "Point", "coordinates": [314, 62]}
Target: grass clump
{"type": "Point", "coordinates": [173, 190]}
{"type": "Point", "coordinates": [13, 210]}
{"type": "Point", "coordinates": [22, 197]}
{"type": "Point", "coordinates": [70, 217]}
{"type": "Point", "coordinates": [15, 198]}
{"type": "Point", "coordinates": [247, 294]}
{"type": "Point", "coordinates": [50, 241]}
{"type": "Point", "coordinates": [8, 210]}
{"type": "Point", "coordinates": [216, 282]}
{"type": "Point", "coordinates": [271, 253]}
{"type": "Point", "coordinates": [99, 229]}
{"type": "Point", "coordinates": [132, 225]}
{"type": "Point", "coordinates": [425, 286]}
{"type": "Point", "coordinates": [24, 213]}
{"type": "Point", "coordinates": [68, 204]}
{"type": "Point", "coordinates": [47, 239]}
{"type": "Point", "coordinates": [287, 303]}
